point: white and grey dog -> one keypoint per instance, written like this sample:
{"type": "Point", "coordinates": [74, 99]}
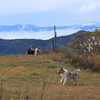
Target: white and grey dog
{"type": "Point", "coordinates": [68, 75]}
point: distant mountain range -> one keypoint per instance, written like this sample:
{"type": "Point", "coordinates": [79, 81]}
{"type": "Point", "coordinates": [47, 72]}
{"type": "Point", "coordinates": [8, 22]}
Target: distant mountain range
{"type": "Point", "coordinates": [28, 27]}
{"type": "Point", "coordinates": [20, 46]}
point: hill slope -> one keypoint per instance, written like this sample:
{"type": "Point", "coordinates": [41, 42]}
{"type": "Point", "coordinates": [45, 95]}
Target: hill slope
{"type": "Point", "coordinates": [20, 46]}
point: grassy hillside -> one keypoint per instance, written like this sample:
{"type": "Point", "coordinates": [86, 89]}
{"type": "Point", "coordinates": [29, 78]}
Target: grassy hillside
{"type": "Point", "coordinates": [22, 78]}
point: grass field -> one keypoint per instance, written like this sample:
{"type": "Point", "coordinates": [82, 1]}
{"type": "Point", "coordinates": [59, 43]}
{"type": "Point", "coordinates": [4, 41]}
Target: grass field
{"type": "Point", "coordinates": [28, 77]}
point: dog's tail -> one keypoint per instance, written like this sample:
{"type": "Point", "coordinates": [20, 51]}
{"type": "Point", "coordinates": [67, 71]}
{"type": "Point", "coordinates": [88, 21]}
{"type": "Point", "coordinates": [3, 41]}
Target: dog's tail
{"type": "Point", "coordinates": [78, 71]}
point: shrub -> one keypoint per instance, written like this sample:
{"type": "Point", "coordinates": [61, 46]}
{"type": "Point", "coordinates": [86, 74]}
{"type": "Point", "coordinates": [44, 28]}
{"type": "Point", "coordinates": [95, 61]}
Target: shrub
{"type": "Point", "coordinates": [56, 56]}
{"type": "Point", "coordinates": [68, 52]}
{"type": "Point", "coordinates": [80, 61]}
{"type": "Point", "coordinates": [96, 62]}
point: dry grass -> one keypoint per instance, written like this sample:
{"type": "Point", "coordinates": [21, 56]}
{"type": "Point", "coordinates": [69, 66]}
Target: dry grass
{"type": "Point", "coordinates": [96, 61]}
{"type": "Point", "coordinates": [23, 77]}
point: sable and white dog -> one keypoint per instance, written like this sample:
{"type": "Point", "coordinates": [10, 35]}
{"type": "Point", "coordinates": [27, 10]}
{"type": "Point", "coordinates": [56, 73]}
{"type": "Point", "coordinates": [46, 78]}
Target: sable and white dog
{"type": "Point", "coordinates": [68, 75]}
{"type": "Point", "coordinates": [37, 51]}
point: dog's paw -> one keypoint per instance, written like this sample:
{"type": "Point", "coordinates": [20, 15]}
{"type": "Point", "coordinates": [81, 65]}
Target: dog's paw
{"type": "Point", "coordinates": [60, 81]}
{"type": "Point", "coordinates": [63, 84]}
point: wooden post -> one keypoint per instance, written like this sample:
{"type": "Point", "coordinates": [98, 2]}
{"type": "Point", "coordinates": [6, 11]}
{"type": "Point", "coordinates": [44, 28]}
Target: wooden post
{"type": "Point", "coordinates": [55, 36]}
{"type": "Point", "coordinates": [53, 45]}
{"type": "Point", "coordinates": [35, 44]}
{"type": "Point", "coordinates": [42, 91]}
{"type": "Point", "coordinates": [86, 54]}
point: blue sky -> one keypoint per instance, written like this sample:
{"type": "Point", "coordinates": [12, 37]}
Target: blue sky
{"type": "Point", "coordinates": [49, 12]}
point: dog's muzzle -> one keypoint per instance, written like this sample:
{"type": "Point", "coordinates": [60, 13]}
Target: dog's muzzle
{"type": "Point", "coordinates": [58, 72]}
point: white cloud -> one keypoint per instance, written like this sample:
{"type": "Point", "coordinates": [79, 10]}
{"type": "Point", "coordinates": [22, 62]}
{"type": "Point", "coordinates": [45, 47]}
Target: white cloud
{"type": "Point", "coordinates": [35, 35]}
{"type": "Point", "coordinates": [27, 6]}
{"type": "Point", "coordinates": [89, 24]}
{"type": "Point", "coordinates": [88, 7]}
{"type": "Point", "coordinates": [13, 6]}
{"type": "Point", "coordinates": [49, 12]}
